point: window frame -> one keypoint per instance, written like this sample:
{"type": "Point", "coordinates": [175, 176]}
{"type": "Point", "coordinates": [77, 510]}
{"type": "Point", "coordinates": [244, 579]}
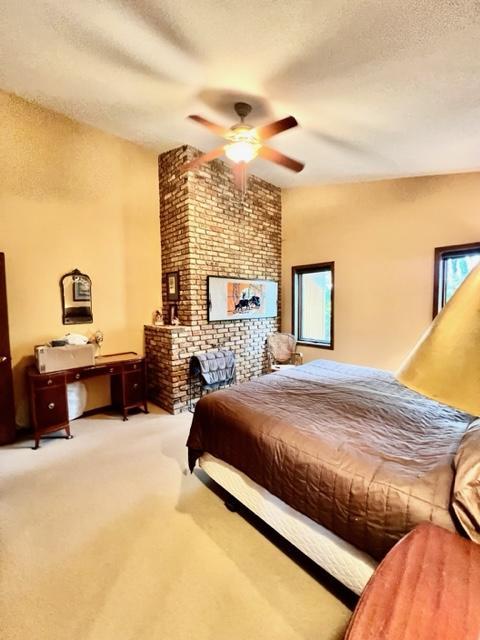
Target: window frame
{"type": "Point", "coordinates": [454, 250]}
{"type": "Point", "coordinates": [297, 272]}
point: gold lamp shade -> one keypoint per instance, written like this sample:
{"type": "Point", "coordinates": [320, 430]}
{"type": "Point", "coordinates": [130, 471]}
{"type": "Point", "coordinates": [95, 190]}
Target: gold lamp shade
{"type": "Point", "coordinates": [445, 363]}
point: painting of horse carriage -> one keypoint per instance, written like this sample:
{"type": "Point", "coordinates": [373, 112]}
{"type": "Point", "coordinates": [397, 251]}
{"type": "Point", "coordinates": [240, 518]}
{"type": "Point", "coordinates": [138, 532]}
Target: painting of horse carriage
{"type": "Point", "coordinates": [241, 298]}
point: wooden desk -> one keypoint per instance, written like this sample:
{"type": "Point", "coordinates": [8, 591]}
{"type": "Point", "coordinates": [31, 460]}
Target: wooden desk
{"type": "Point", "coordinates": [426, 588]}
{"type": "Point", "coordinates": [48, 391]}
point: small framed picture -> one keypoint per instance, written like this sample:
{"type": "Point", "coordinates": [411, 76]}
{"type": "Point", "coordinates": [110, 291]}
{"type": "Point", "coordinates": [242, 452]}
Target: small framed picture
{"type": "Point", "coordinates": [173, 314]}
{"type": "Point", "coordinates": [81, 290]}
{"type": "Point", "coordinates": [173, 286]}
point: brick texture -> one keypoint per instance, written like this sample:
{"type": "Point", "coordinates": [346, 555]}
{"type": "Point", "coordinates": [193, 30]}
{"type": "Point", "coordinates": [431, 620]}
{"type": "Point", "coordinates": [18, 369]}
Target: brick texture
{"type": "Point", "coordinates": [208, 229]}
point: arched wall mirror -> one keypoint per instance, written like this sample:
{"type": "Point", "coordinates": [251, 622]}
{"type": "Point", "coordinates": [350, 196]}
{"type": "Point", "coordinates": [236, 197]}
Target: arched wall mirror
{"type": "Point", "coordinates": [76, 290]}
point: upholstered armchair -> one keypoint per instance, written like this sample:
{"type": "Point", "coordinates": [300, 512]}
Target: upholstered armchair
{"type": "Point", "coordinates": [282, 354]}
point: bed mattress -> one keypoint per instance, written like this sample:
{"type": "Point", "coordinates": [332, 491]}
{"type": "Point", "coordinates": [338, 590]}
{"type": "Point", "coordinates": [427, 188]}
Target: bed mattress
{"type": "Point", "coordinates": [347, 446]}
{"type": "Point", "coordinates": [340, 559]}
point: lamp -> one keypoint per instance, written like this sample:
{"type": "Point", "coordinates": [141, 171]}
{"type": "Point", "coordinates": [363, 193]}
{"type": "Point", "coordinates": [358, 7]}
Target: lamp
{"type": "Point", "coordinates": [445, 363]}
{"type": "Point", "coordinates": [240, 151]}
{"type": "Point", "coordinates": [244, 145]}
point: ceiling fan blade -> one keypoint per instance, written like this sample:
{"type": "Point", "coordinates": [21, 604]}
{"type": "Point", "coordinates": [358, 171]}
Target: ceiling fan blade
{"type": "Point", "coordinates": [206, 157]}
{"type": "Point", "coordinates": [214, 128]}
{"type": "Point", "coordinates": [269, 130]}
{"type": "Point", "coordinates": [240, 176]}
{"type": "Point", "coordinates": [279, 158]}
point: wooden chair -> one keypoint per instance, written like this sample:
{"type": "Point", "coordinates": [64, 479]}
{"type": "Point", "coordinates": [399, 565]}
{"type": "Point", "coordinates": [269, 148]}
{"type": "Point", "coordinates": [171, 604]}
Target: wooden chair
{"type": "Point", "coordinates": [282, 353]}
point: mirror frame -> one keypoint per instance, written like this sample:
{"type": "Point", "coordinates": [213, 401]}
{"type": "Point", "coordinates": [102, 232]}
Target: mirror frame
{"type": "Point", "coordinates": [70, 320]}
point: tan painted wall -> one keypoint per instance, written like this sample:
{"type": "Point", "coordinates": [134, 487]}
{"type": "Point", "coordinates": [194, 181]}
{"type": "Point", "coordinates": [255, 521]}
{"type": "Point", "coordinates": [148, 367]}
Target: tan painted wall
{"type": "Point", "coordinates": [381, 236]}
{"type": "Point", "coordinates": [74, 197]}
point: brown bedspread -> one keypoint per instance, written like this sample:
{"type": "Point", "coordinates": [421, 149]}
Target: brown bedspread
{"type": "Point", "coordinates": [347, 446]}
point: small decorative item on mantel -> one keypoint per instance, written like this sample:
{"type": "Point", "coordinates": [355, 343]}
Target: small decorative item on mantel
{"type": "Point", "coordinates": [173, 286]}
{"type": "Point", "coordinates": [173, 315]}
{"type": "Point", "coordinates": [97, 340]}
{"type": "Point", "coordinates": [157, 318]}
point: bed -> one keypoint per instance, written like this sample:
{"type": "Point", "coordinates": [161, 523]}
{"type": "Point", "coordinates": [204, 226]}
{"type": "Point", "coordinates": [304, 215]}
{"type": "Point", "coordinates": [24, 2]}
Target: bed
{"type": "Point", "coordinates": [342, 460]}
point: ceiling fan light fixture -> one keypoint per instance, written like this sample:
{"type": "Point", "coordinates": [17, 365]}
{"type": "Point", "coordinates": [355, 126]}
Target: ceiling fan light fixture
{"type": "Point", "coordinates": [244, 143]}
{"type": "Point", "coordinates": [242, 151]}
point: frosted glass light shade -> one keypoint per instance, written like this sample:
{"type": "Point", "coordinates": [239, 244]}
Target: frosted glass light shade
{"type": "Point", "coordinates": [241, 151]}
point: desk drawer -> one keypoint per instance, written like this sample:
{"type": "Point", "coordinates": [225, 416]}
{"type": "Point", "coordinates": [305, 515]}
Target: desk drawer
{"type": "Point", "coordinates": [112, 369]}
{"type": "Point", "coordinates": [134, 387]}
{"type": "Point", "coordinates": [93, 372]}
{"type": "Point", "coordinates": [134, 366]}
{"type": "Point", "coordinates": [76, 376]}
{"type": "Point", "coordinates": [48, 380]}
{"type": "Point", "coordinates": [51, 406]}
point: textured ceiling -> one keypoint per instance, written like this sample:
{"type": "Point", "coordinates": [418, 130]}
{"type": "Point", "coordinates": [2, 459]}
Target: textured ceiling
{"type": "Point", "coordinates": [380, 87]}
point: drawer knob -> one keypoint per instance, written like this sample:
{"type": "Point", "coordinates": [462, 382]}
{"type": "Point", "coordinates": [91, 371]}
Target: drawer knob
{"type": "Point", "coordinates": [77, 376]}
{"type": "Point", "coordinates": [135, 386]}
{"type": "Point", "coordinates": [111, 369]}
{"type": "Point", "coordinates": [49, 381]}
{"type": "Point", "coordinates": [51, 406]}
{"type": "Point", "coordinates": [134, 366]}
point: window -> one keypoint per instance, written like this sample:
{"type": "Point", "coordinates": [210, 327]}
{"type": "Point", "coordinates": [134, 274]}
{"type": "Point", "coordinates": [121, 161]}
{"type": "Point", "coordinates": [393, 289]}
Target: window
{"type": "Point", "coordinates": [452, 266]}
{"type": "Point", "coordinates": [312, 304]}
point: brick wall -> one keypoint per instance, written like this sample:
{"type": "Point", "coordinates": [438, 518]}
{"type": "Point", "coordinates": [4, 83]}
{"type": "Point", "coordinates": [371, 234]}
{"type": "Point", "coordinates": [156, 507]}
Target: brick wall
{"type": "Point", "coordinates": [208, 229]}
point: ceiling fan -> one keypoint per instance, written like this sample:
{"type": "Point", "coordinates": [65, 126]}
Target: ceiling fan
{"type": "Point", "coordinates": [244, 143]}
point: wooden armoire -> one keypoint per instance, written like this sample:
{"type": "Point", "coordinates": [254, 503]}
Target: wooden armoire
{"type": "Point", "coordinates": [7, 408]}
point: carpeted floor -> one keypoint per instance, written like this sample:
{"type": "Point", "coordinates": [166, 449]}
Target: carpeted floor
{"type": "Point", "coordinates": [106, 537]}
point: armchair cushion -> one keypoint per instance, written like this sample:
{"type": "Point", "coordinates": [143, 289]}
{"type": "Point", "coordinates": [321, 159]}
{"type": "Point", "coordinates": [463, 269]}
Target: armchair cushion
{"type": "Point", "coordinates": [281, 348]}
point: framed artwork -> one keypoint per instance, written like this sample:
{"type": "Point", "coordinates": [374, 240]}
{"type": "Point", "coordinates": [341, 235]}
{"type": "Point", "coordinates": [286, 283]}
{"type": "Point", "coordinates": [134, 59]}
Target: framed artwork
{"type": "Point", "coordinates": [81, 289]}
{"type": "Point", "coordinates": [173, 314]}
{"type": "Point", "coordinates": [173, 286]}
{"type": "Point", "coordinates": [241, 298]}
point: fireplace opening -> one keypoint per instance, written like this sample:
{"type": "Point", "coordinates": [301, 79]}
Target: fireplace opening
{"type": "Point", "coordinates": [209, 372]}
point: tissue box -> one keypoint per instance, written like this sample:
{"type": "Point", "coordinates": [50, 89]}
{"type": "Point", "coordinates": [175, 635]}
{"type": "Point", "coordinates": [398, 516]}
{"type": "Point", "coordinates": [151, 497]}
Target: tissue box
{"type": "Point", "coordinates": [51, 359]}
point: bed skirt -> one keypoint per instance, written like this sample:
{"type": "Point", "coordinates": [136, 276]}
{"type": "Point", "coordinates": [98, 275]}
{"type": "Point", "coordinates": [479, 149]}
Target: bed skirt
{"type": "Point", "coordinates": [340, 559]}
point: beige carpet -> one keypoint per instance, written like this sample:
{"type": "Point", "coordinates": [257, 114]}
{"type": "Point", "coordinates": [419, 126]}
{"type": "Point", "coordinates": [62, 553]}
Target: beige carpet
{"type": "Point", "coordinates": [106, 537]}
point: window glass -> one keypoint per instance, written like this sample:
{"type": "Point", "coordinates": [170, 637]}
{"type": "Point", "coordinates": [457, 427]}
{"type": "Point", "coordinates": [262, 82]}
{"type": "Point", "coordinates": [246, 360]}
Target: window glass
{"type": "Point", "coordinates": [317, 306]}
{"type": "Point", "coordinates": [456, 269]}
{"type": "Point", "coordinates": [313, 304]}
{"type": "Point", "coordinates": [452, 266]}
